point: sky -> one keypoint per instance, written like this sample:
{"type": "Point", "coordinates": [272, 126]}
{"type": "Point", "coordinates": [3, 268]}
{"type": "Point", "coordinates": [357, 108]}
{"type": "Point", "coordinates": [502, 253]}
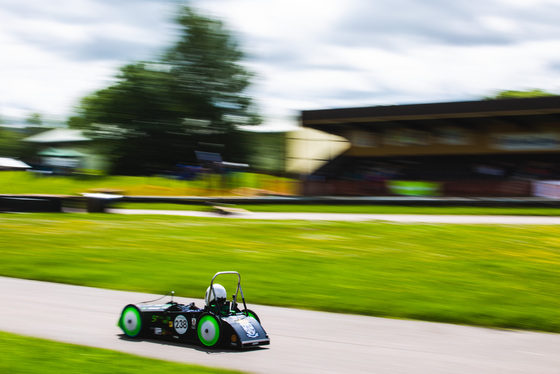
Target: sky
{"type": "Point", "coordinates": [306, 54]}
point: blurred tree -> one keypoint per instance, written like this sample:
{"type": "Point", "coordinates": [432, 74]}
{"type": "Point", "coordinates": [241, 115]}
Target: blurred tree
{"type": "Point", "coordinates": [268, 151]}
{"type": "Point", "coordinates": [158, 113]}
{"type": "Point", "coordinates": [10, 144]}
{"type": "Point", "coordinates": [511, 94]}
{"type": "Point", "coordinates": [207, 75]}
{"type": "Point", "coordinates": [34, 119]}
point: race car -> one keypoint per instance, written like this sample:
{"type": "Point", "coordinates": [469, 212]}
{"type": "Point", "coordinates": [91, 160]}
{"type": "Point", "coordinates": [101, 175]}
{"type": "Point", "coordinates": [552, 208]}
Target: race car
{"type": "Point", "coordinates": [219, 323]}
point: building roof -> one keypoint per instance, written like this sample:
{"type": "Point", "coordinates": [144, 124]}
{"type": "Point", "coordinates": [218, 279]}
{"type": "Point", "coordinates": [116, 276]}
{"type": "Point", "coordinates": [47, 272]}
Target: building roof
{"type": "Point", "coordinates": [485, 108]}
{"type": "Point", "coordinates": [520, 112]}
{"type": "Point", "coordinates": [58, 136]}
{"type": "Point", "coordinates": [10, 163]}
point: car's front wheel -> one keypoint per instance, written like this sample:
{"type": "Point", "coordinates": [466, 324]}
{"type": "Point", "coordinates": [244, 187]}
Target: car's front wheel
{"type": "Point", "coordinates": [209, 330]}
{"type": "Point", "coordinates": [250, 313]}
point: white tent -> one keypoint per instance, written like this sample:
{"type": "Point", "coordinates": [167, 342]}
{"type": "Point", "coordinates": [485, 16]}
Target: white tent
{"type": "Point", "coordinates": [58, 136]}
{"type": "Point", "coordinates": [10, 163]}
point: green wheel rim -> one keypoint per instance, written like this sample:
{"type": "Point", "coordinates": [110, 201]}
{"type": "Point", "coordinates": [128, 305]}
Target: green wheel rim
{"type": "Point", "coordinates": [131, 321]}
{"type": "Point", "coordinates": [208, 330]}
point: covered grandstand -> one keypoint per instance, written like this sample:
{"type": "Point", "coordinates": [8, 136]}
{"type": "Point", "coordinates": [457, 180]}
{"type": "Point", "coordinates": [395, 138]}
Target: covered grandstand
{"type": "Point", "coordinates": [475, 148]}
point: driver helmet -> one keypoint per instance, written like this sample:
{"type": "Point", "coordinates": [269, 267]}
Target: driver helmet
{"type": "Point", "coordinates": [219, 293]}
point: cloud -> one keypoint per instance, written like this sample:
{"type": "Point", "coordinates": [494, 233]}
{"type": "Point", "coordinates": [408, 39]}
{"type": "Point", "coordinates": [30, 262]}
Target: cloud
{"type": "Point", "coordinates": [306, 54]}
{"type": "Point", "coordinates": [56, 52]}
{"type": "Point", "coordinates": [361, 52]}
{"type": "Point", "coordinates": [477, 22]}
{"type": "Point", "coordinates": [95, 30]}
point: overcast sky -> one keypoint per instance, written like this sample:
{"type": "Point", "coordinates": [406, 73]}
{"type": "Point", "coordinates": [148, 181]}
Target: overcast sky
{"type": "Point", "coordinates": [307, 54]}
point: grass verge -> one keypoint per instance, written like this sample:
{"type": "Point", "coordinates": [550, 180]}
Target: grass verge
{"type": "Point", "coordinates": [19, 353]}
{"type": "Point", "coordinates": [359, 209]}
{"type": "Point", "coordinates": [19, 182]}
{"type": "Point", "coordinates": [487, 275]}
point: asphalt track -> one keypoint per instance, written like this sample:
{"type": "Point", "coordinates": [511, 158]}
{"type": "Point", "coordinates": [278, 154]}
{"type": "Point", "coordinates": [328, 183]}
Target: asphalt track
{"type": "Point", "coordinates": [404, 218]}
{"type": "Point", "coordinates": [301, 341]}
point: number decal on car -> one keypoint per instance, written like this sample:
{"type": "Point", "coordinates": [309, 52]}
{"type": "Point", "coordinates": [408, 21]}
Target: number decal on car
{"type": "Point", "coordinates": [181, 324]}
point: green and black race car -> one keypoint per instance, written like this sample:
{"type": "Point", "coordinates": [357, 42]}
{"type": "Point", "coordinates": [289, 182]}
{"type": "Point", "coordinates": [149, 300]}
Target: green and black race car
{"type": "Point", "coordinates": [220, 323]}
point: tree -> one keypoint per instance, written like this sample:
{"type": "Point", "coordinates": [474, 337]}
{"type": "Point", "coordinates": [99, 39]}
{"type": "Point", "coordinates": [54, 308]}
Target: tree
{"type": "Point", "coordinates": [133, 121]}
{"type": "Point", "coordinates": [10, 143]}
{"type": "Point", "coordinates": [511, 94]}
{"type": "Point", "coordinates": [205, 67]}
{"type": "Point", "coordinates": [158, 113]}
{"type": "Point", "coordinates": [34, 119]}
{"type": "Point", "coordinates": [269, 150]}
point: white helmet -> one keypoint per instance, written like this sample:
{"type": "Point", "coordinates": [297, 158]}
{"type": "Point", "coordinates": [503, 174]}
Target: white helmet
{"type": "Point", "coordinates": [219, 293]}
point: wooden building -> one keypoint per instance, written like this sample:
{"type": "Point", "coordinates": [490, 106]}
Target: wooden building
{"type": "Point", "coordinates": [475, 148]}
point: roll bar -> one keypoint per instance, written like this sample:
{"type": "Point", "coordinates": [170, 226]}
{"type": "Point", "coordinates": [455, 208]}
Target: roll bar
{"type": "Point", "coordinates": [237, 291]}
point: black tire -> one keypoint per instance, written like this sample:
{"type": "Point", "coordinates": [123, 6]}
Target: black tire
{"type": "Point", "coordinates": [209, 329]}
{"type": "Point", "coordinates": [131, 321]}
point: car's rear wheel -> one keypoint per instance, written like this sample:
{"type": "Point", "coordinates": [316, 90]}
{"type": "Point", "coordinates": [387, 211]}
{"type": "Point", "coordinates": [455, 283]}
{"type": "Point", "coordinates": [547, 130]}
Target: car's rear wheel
{"type": "Point", "coordinates": [131, 321]}
{"type": "Point", "coordinates": [209, 330]}
{"type": "Point", "coordinates": [250, 313]}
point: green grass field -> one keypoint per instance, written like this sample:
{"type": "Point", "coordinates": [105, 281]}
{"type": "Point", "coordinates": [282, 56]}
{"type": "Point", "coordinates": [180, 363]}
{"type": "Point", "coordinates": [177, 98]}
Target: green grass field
{"type": "Point", "coordinates": [29, 183]}
{"type": "Point", "coordinates": [359, 209]}
{"type": "Point", "coordinates": [26, 355]}
{"type": "Point", "coordinates": [499, 276]}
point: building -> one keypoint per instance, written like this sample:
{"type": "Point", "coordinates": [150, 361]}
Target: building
{"type": "Point", "coordinates": [486, 148]}
{"type": "Point", "coordinates": [64, 151]}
